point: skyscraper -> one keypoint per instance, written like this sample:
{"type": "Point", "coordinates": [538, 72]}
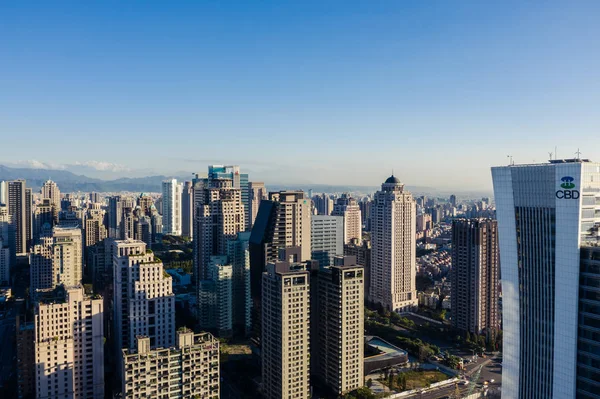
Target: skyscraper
{"type": "Point", "coordinates": [323, 204]}
{"type": "Point", "coordinates": [239, 180]}
{"type": "Point", "coordinates": [120, 217]}
{"type": "Point", "coordinates": [50, 190]}
{"type": "Point", "coordinates": [215, 296]}
{"type": "Point", "coordinates": [256, 193]}
{"type": "Point", "coordinates": [238, 255]}
{"type": "Point", "coordinates": [3, 192]}
{"type": "Point", "coordinates": [285, 344]}
{"type": "Point", "coordinates": [475, 275]}
{"type": "Point", "coordinates": [69, 344]}
{"type": "Point", "coordinates": [171, 203]}
{"type": "Point", "coordinates": [361, 250]}
{"type": "Point", "coordinates": [144, 303]}
{"type": "Point", "coordinates": [19, 209]}
{"type": "Point", "coordinates": [347, 207]}
{"type": "Point", "coordinates": [187, 209]}
{"type": "Point", "coordinates": [546, 216]}
{"type": "Point", "coordinates": [57, 259]}
{"type": "Point", "coordinates": [393, 262]}
{"type": "Point", "coordinates": [7, 244]}
{"type": "Point", "coordinates": [45, 216]}
{"type": "Point", "coordinates": [327, 238]}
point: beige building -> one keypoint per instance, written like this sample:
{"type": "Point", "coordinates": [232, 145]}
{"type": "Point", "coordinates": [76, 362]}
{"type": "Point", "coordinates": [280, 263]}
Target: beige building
{"type": "Point", "coordinates": [393, 240]}
{"type": "Point", "coordinates": [337, 323]}
{"type": "Point", "coordinates": [95, 230]}
{"type": "Point", "coordinates": [188, 370]}
{"type": "Point", "coordinates": [69, 345]}
{"type": "Point", "coordinates": [57, 259]}
{"type": "Point", "coordinates": [285, 343]}
{"type": "Point", "coordinates": [50, 190]}
{"type": "Point", "coordinates": [347, 207]}
{"type": "Point", "coordinates": [256, 193]}
{"type": "Point", "coordinates": [144, 303]}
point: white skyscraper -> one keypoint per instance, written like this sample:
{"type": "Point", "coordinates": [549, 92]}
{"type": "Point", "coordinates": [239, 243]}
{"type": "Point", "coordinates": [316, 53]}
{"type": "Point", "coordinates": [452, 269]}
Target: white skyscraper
{"type": "Point", "coordinates": [171, 203]}
{"type": "Point", "coordinates": [393, 238]}
{"type": "Point", "coordinates": [69, 345]}
{"type": "Point", "coordinates": [547, 215]}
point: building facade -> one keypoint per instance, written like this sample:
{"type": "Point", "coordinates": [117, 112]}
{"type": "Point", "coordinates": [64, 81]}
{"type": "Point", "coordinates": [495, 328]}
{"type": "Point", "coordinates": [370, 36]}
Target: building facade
{"type": "Point", "coordinates": [475, 275]}
{"type": "Point", "coordinates": [171, 204]}
{"type": "Point", "coordinates": [256, 193]}
{"type": "Point", "coordinates": [187, 210]}
{"type": "Point", "coordinates": [327, 238]}
{"type": "Point", "coordinates": [20, 211]}
{"type": "Point", "coordinates": [393, 240]}
{"type": "Point", "coordinates": [361, 250]}
{"type": "Point", "coordinates": [69, 345]}
{"type": "Point", "coordinates": [347, 207]}
{"type": "Point", "coordinates": [239, 181]}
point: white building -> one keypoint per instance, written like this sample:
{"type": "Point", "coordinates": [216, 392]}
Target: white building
{"type": "Point", "coordinates": [347, 207]}
{"type": "Point", "coordinates": [393, 240]}
{"type": "Point", "coordinates": [69, 345]}
{"type": "Point", "coordinates": [57, 259]}
{"type": "Point", "coordinates": [188, 370]}
{"type": "Point", "coordinates": [144, 303]}
{"type": "Point", "coordinates": [546, 213]}
{"type": "Point", "coordinates": [171, 204]}
{"type": "Point", "coordinates": [327, 238]}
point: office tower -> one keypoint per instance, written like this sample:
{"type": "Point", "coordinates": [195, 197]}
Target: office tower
{"type": "Point", "coordinates": [546, 214]}
{"type": "Point", "coordinates": [171, 203]}
{"type": "Point", "coordinates": [283, 221]}
{"type": "Point", "coordinates": [347, 207]}
{"type": "Point", "coordinates": [256, 193]}
{"type": "Point", "coordinates": [323, 204]}
{"type": "Point", "coordinates": [94, 198]}
{"type": "Point", "coordinates": [144, 303]}
{"type": "Point", "coordinates": [50, 190]}
{"type": "Point", "coordinates": [393, 268]}
{"type": "Point", "coordinates": [191, 368]}
{"type": "Point", "coordinates": [238, 255]}
{"type": "Point", "coordinates": [45, 216]}
{"type": "Point", "coordinates": [115, 217]}
{"type": "Point", "coordinates": [327, 238]}
{"type": "Point", "coordinates": [57, 259]}
{"type": "Point", "coordinates": [337, 326]}
{"type": "Point", "coordinates": [361, 250]}
{"type": "Point", "coordinates": [26, 367]}
{"type": "Point", "coordinates": [187, 209]}
{"type": "Point", "coordinates": [219, 217]}
{"type": "Point", "coordinates": [588, 344]}
{"type": "Point", "coordinates": [285, 343]}
{"type": "Point", "coordinates": [475, 275]}
{"type": "Point", "coordinates": [240, 181]}
{"type": "Point", "coordinates": [3, 193]}
{"type": "Point", "coordinates": [215, 297]}
{"type": "Point", "coordinates": [95, 231]}
{"type": "Point", "coordinates": [452, 200]}
{"type": "Point", "coordinates": [19, 209]}
{"type": "Point", "coordinates": [365, 213]}
{"type": "Point", "coordinates": [69, 344]}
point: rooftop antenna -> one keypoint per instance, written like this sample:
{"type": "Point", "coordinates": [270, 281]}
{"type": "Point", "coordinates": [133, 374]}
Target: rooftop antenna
{"type": "Point", "coordinates": [510, 159]}
{"type": "Point", "coordinates": [578, 153]}
{"type": "Point", "coordinates": [550, 155]}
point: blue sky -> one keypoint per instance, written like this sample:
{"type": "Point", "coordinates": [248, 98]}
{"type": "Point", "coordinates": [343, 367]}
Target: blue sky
{"type": "Point", "coordinates": [306, 91]}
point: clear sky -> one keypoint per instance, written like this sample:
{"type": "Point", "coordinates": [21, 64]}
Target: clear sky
{"type": "Point", "coordinates": [301, 91]}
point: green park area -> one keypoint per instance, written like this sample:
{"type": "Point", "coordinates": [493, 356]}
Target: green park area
{"type": "Point", "coordinates": [412, 379]}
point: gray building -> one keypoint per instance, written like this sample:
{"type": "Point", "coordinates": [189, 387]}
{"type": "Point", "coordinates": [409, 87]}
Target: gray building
{"type": "Point", "coordinates": [327, 238]}
{"type": "Point", "coordinates": [20, 211]}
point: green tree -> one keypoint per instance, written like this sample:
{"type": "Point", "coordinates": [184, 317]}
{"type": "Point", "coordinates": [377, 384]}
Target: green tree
{"type": "Point", "coordinates": [369, 383]}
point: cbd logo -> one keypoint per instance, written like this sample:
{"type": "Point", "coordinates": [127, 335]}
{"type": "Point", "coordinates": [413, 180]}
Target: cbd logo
{"type": "Point", "coordinates": [567, 183]}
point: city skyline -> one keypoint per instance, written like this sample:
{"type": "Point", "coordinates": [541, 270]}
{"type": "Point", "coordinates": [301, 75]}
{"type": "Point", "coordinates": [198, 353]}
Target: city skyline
{"type": "Point", "coordinates": [420, 85]}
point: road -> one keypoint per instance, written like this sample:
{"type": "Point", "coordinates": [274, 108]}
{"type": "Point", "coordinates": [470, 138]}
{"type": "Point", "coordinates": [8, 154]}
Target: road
{"type": "Point", "coordinates": [437, 393]}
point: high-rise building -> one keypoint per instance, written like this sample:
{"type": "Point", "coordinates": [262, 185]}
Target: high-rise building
{"type": "Point", "coordinates": [361, 250]}
{"type": "Point", "coordinates": [26, 367]}
{"type": "Point", "coordinates": [327, 238]}
{"type": "Point", "coordinates": [19, 209]}
{"type": "Point", "coordinates": [171, 203]}
{"type": "Point", "coordinates": [4, 264]}
{"type": "Point", "coordinates": [238, 255]}
{"type": "Point", "coordinates": [365, 213]}
{"type": "Point", "coordinates": [452, 200]}
{"type": "Point", "coordinates": [239, 180]}
{"type": "Point", "coordinates": [57, 259]}
{"type": "Point", "coordinates": [256, 193]}
{"type": "Point", "coordinates": [187, 210]}
{"type": "Point", "coordinates": [347, 207]}
{"type": "Point", "coordinates": [95, 198]}
{"type": "Point", "coordinates": [95, 231]}
{"type": "Point", "coordinates": [50, 190]}
{"type": "Point", "coordinates": [219, 217]}
{"type": "Point", "coordinates": [475, 275]}
{"type": "Point", "coordinates": [45, 216]}
{"type": "Point", "coordinates": [3, 192]}
{"type": "Point", "coordinates": [191, 368]}
{"type": "Point", "coordinates": [120, 217]}
{"type": "Point", "coordinates": [285, 343]}
{"type": "Point", "coordinates": [215, 295]}
{"type": "Point", "coordinates": [69, 344]}
{"type": "Point", "coordinates": [323, 204]}
{"type": "Point", "coordinates": [548, 215]}
{"type": "Point", "coordinates": [144, 303]}
{"type": "Point", "coordinates": [393, 240]}
{"type": "Point", "coordinates": [145, 203]}
{"type": "Point", "coordinates": [337, 325]}
{"type": "Point", "coordinates": [7, 235]}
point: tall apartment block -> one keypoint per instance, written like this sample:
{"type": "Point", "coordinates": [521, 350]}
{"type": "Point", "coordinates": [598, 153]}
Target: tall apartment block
{"type": "Point", "coordinates": [144, 303]}
{"type": "Point", "coordinates": [188, 370]}
{"type": "Point", "coordinates": [285, 343]}
{"type": "Point", "coordinates": [50, 191]}
{"type": "Point", "coordinates": [20, 211]}
{"type": "Point", "coordinates": [548, 218]}
{"type": "Point", "coordinates": [57, 259]}
{"type": "Point", "coordinates": [361, 250]}
{"type": "Point", "coordinates": [337, 326]}
{"type": "Point", "coordinates": [171, 203]}
{"type": "Point", "coordinates": [475, 275]}
{"type": "Point", "coordinates": [327, 238]}
{"type": "Point", "coordinates": [187, 210]}
{"type": "Point", "coordinates": [69, 345]}
{"type": "Point", "coordinates": [256, 193]}
{"type": "Point", "coordinates": [347, 207]}
{"type": "Point", "coordinates": [393, 240]}
{"type": "Point", "coordinates": [239, 181]}
{"type": "Point", "coordinates": [95, 230]}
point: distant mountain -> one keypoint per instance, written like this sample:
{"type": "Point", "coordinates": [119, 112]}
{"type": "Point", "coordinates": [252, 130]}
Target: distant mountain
{"type": "Point", "coordinates": [69, 182]}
